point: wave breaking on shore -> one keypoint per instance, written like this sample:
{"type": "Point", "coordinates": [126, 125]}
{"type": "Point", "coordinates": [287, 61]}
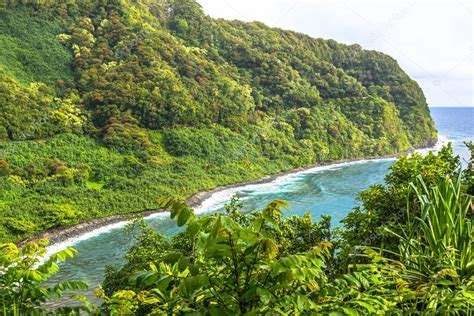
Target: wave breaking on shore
{"type": "Point", "coordinates": [219, 198]}
{"type": "Point", "coordinates": [207, 202]}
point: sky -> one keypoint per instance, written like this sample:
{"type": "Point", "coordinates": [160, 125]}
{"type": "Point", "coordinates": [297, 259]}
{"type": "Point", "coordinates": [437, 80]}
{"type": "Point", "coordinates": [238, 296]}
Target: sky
{"type": "Point", "coordinates": [432, 40]}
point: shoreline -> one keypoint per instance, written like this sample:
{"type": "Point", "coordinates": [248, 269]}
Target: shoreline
{"type": "Point", "coordinates": [73, 233]}
{"type": "Point", "coordinates": [196, 199]}
{"type": "Point", "coordinates": [62, 234]}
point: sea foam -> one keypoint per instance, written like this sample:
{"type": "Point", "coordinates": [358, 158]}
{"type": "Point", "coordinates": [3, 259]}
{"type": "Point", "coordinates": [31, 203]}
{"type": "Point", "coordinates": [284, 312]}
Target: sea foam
{"type": "Point", "coordinates": [219, 198]}
{"type": "Point", "coordinates": [70, 242]}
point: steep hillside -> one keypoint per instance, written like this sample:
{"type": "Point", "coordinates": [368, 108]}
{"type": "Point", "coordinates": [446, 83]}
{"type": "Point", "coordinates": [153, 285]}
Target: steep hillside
{"type": "Point", "coordinates": [30, 49]}
{"type": "Point", "coordinates": [107, 104]}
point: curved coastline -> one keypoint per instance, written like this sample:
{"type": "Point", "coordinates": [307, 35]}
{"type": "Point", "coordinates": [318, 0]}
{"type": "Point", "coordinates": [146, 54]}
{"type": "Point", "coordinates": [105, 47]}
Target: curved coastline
{"type": "Point", "coordinates": [64, 237]}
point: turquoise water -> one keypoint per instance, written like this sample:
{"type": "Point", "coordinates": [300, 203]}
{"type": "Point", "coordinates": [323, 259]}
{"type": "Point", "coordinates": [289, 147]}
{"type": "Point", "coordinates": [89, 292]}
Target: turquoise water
{"type": "Point", "coordinates": [330, 191]}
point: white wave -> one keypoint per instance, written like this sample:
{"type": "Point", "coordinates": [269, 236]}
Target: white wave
{"type": "Point", "coordinates": [70, 242]}
{"type": "Point", "coordinates": [442, 141]}
{"type": "Point", "coordinates": [219, 198]}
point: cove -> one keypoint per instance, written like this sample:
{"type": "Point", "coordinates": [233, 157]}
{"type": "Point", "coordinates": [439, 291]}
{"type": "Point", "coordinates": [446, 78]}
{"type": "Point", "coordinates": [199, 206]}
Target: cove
{"type": "Point", "coordinates": [329, 190]}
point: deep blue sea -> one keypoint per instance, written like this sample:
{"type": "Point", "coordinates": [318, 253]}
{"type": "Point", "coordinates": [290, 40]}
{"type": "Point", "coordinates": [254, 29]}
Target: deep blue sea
{"type": "Point", "coordinates": [326, 190]}
{"type": "Point", "coordinates": [457, 126]}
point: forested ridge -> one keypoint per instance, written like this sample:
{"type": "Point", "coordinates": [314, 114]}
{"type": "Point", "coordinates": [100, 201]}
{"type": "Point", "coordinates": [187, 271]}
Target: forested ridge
{"type": "Point", "coordinates": [106, 105]}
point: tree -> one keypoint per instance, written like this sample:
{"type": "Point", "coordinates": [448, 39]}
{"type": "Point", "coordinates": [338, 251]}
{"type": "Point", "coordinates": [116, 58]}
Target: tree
{"type": "Point", "coordinates": [23, 273]}
{"type": "Point", "coordinates": [236, 264]}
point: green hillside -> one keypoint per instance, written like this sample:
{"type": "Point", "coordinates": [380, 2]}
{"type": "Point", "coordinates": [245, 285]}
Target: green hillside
{"type": "Point", "coordinates": [106, 105]}
{"type": "Point", "coordinates": [30, 49]}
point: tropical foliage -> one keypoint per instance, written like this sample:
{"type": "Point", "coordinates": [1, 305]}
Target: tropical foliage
{"type": "Point", "coordinates": [115, 102]}
{"type": "Point", "coordinates": [437, 248]}
{"type": "Point", "coordinates": [105, 105]}
{"type": "Point", "coordinates": [385, 206]}
{"type": "Point", "coordinates": [23, 279]}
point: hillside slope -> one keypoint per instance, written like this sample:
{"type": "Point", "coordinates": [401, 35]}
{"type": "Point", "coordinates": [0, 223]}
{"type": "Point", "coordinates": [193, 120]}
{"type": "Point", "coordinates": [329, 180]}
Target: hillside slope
{"type": "Point", "coordinates": [106, 106]}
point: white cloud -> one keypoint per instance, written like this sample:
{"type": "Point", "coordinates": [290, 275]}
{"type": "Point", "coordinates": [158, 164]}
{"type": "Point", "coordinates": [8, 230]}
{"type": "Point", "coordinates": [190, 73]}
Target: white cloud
{"type": "Point", "coordinates": [432, 40]}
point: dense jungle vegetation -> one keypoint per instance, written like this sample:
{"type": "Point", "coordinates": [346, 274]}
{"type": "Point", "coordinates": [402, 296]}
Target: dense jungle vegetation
{"type": "Point", "coordinates": [105, 105]}
{"type": "Point", "coordinates": [108, 104]}
{"type": "Point", "coordinates": [408, 250]}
